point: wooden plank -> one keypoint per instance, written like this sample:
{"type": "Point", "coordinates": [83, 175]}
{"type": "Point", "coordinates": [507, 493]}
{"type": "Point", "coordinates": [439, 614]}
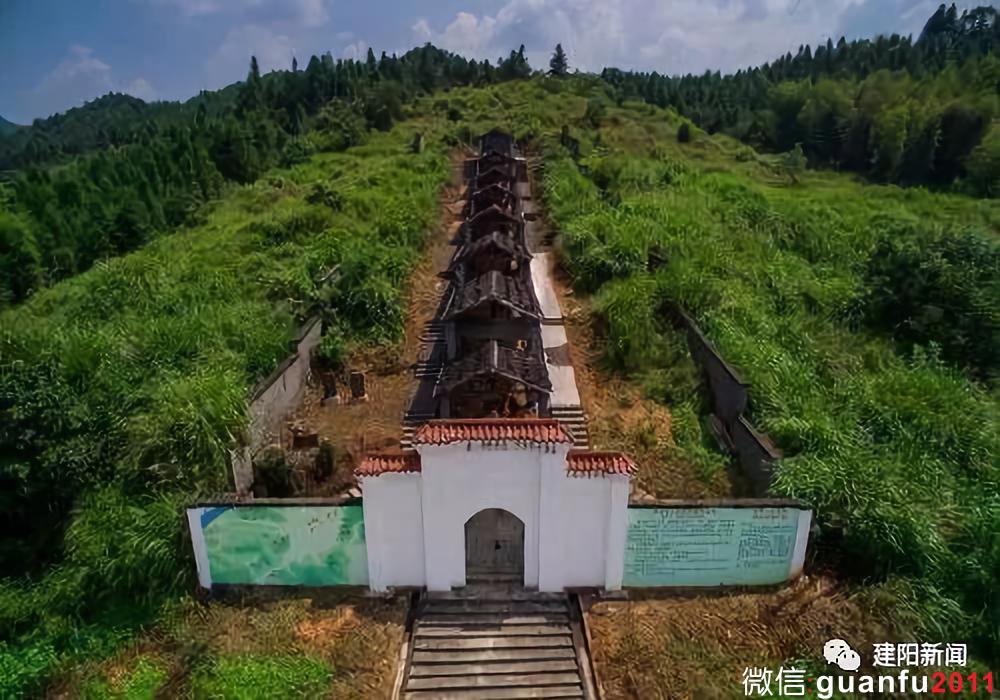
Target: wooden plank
{"type": "Point", "coordinates": [494, 619]}
{"type": "Point", "coordinates": [500, 680]}
{"type": "Point", "coordinates": [501, 667]}
{"type": "Point", "coordinates": [563, 691]}
{"type": "Point", "coordinates": [492, 643]}
{"type": "Point", "coordinates": [513, 630]}
{"type": "Point", "coordinates": [473, 656]}
{"type": "Point", "coordinates": [482, 607]}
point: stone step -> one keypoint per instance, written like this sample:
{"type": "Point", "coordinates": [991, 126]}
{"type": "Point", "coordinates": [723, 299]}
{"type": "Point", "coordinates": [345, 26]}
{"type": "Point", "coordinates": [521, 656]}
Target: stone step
{"type": "Point", "coordinates": [497, 693]}
{"type": "Point", "coordinates": [479, 619]}
{"type": "Point", "coordinates": [485, 655]}
{"type": "Point", "coordinates": [444, 630]}
{"type": "Point", "coordinates": [474, 680]}
{"type": "Point", "coordinates": [450, 669]}
{"type": "Point", "coordinates": [493, 594]}
{"type": "Point", "coordinates": [494, 607]}
{"type": "Point", "coordinates": [496, 641]}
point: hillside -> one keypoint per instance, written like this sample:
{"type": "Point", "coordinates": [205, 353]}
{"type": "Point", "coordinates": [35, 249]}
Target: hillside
{"type": "Point", "coordinates": [7, 127]}
{"type": "Point", "coordinates": [156, 259]}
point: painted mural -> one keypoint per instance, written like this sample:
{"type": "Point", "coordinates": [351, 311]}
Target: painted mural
{"type": "Point", "coordinates": [711, 546]}
{"type": "Point", "coordinates": [284, 545]}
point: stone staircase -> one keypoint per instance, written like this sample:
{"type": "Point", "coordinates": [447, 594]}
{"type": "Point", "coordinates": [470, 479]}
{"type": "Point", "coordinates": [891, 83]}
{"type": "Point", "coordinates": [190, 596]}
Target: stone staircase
{"type": "Point", "coordinates": [411, 421]}
{"type": "Point", "coordinates": [574, 420]}
{"type": "Point", "coordinates": [507, 644]}
{"type": "Point", "coordinates": [433, 332]}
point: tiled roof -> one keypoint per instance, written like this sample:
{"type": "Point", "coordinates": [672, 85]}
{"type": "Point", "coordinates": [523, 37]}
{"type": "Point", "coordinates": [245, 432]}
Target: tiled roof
{"type": "Point", "coordinates": [494, 359]}
{"type": "Point", "coordinates": [495, 240]}
{"type": "Point", "coordinates": [587, 462]}
{"type": "Point", "coordinates": [446, 432]}
{"type": "Point", "coordinates": [513, 291]}
{"type": "Point", "coordinates": [388, 463]}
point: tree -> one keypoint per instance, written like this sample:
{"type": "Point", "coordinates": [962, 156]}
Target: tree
{"type": "Point", "coordinates": [559, 65]}
{"type": "Point", "coordinates": [794, 162]}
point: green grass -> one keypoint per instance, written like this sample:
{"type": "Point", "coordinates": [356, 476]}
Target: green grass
{"type": "Point", "coordinates": [141, 682]}
{"type": "Point", "coordinates": [124, 387]}
{"type": "Point", "coordinates": [895, 446]}
{"type": "Point", "coordinates": [262, 678]}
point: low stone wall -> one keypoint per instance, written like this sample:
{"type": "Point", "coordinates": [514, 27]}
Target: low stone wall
{"type": "Point", "coordinates": [273, 400]}
{"type": "Point", "coordinates": [731, 542]}
{"type": "Point", "coordinates": [280, 542]}
{"type": "Point", "coordinates": [754, 452]}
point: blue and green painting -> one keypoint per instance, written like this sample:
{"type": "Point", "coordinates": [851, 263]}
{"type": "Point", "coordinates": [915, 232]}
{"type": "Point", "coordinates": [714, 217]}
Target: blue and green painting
{"type": "Point", "coordinates": [709, 546]}
{"type": "Point", "coordinates": [286, 545]}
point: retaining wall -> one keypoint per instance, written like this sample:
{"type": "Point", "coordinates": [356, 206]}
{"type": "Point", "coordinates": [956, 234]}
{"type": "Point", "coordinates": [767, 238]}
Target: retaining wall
{"type": "Point", "coordinates": [273, 400]}
{"type": "Point", "coordinates": [754, 452]}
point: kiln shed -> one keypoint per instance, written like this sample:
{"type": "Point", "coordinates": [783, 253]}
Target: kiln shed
{"type": "Point", "coordinates": [495, 500]}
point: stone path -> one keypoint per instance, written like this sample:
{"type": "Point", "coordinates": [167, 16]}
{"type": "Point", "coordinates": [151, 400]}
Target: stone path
{"type": "Point", "coordinates": [495, 645]}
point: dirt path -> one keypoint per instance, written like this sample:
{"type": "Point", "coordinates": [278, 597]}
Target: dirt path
{"type": "Point", "coordinates": [355, 428]}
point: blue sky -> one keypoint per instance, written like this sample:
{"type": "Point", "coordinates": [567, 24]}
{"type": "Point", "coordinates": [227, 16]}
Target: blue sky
{"type": "Point", "coordinates": [56, 55]}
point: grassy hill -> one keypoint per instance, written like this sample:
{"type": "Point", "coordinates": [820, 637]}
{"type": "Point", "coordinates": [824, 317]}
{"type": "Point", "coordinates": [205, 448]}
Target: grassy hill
{"type": "Point", "coordinates": [129, 378]}
{"type": "Point", "coordinates": [876, 378]}
{"type": "Point", "coordinates": [7, 127]}
{"type": "Point", "coordinates": [865, 317]}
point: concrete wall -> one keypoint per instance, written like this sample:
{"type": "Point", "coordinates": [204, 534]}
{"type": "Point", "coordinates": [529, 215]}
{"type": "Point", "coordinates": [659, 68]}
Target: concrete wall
{"type": "Point", "coordinates": [583, 531]}
{"type": "Point", "coordinates": [756, 455]}
{"type": "Point", "coordinates": [462, 479]}
{"type": "Point", "coordinates": [394, 530]}
{"type": "Point", "coordinates": [283, 543]}
{"type": "Point", "coordinates": [737, 542]}
{"type": "Point", "coordinates": [278, 395]}
{"type": "Point", "coordinates": [273, 400]}
{"type": "Point", "coordinates": [574, 526]}
{"type": "Point", "coordinates": [754, 452]}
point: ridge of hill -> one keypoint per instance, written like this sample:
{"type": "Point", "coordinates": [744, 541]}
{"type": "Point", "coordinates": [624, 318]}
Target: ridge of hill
{"type": "Point", "coordinates": [8, 127]}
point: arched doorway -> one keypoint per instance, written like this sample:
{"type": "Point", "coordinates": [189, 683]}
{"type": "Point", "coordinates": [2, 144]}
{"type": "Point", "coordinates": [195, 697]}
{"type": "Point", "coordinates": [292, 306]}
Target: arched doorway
{"type": "Point", "coordinates": [494, 547]}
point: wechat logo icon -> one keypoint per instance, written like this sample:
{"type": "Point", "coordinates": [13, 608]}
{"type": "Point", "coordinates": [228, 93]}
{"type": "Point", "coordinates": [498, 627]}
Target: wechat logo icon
{"type": "Point", "coordinates": [839, 652]}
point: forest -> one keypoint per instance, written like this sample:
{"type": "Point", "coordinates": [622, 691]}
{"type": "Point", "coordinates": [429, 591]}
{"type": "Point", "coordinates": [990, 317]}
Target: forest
{"type": "Point", "coordinates": [827, 218]}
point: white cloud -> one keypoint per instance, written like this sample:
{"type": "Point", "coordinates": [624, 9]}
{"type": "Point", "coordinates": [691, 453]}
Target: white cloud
{"type": "Point", "coordinates": [306, 13]}
{"type": "Point", "coordinates": [79, 77]}
{"type": "Point", "coordinates": [356, 51]}
{"type": "Point", "coordinates": [678, 36]}
{"type": "Point", "coordinates": [231, 61]}
{"type": "Point", "coordinates": [422, 31]}
{"type": "Point", "coordinates": [141, 88]}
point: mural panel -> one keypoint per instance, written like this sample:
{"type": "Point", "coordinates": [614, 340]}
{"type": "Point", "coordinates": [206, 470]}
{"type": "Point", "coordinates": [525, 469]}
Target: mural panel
{"type": "Point", "coordinates": [714, 546]}
{"type": "Point", "coordinates": [281, 545]}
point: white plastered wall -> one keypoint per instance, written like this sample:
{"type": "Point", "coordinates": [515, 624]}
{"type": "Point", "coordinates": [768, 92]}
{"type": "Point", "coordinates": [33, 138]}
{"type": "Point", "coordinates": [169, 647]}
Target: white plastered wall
{"type": "Point", "coordinates": [584, 520]}
{"type": "Point", "coordinates": [394, 530]}
{"type": "Point", "coordinates": [462, 479]}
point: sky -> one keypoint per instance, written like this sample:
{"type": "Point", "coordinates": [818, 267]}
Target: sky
{"type": "Point", "coordinates": [58, 54]}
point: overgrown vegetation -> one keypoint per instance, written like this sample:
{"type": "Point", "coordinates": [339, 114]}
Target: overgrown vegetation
{"type": "Point", "coordinates": [865, 316]}
{"type": "Point", "coordinates": [897, 110]}
{"type": "Point", "coordinates": [123, 387]}
{"type": "Point", "coordinates": [870, 347]}
{"type": "Point", "coordinates": [170, 158]}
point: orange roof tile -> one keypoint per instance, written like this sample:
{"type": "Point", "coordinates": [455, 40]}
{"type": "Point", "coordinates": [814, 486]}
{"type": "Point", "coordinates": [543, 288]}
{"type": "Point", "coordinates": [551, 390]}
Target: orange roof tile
{"type": "Point", "coordinates": [446, 432]}
{"type": "Point", "coordinates": [388, 463]}
{"type": "Point", "coordinates": [587, 462]}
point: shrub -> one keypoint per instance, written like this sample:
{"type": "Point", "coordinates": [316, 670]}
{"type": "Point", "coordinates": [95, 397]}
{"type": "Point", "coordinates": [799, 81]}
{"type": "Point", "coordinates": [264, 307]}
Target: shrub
{"type": "Point", "coordinates": [684, 133]}
{"type": "Point", "coordinates": [251, 677]}
{"type": "Point", "coordinates": [272, 475]}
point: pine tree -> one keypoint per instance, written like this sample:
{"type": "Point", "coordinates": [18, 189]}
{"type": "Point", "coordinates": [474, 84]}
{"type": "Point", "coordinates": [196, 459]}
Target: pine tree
{"type": "Point", "coordinates": [558, 66]}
